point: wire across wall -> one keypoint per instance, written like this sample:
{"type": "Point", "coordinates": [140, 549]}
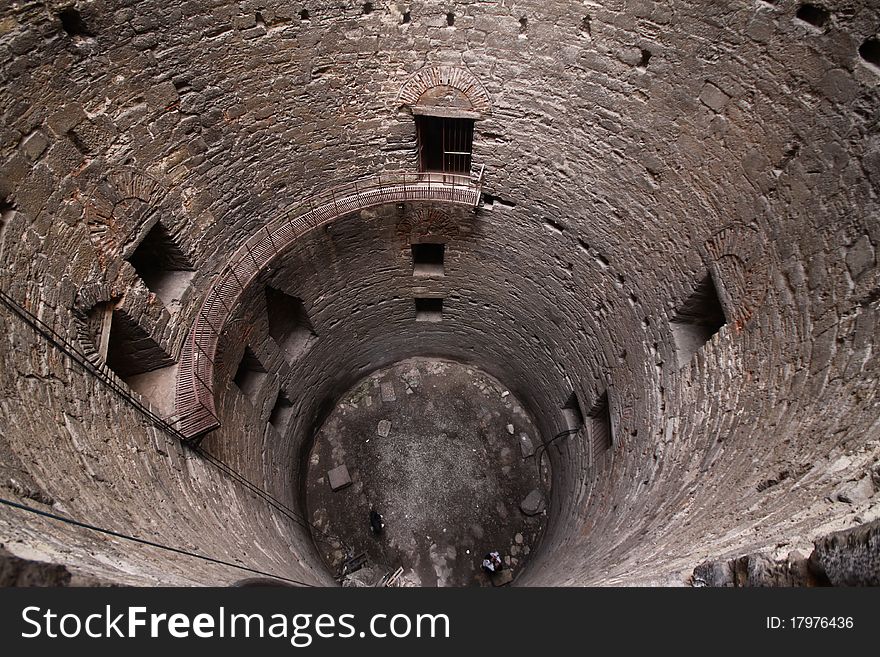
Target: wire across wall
{"type": "Point", "coordinates": [143, 541]}
{"type": "Point", "coordinates": [100, 372]}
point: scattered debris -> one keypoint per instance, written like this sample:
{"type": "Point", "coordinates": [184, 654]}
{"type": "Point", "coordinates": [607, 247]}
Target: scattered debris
{"type": "Point", "coordinates": [353, 563]}
{"type": "Point", "coordinates": [391, 579]}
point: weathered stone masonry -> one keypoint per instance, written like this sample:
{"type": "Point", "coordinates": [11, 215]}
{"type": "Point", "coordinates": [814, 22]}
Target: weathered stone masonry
{"type": "Point", "coordinates": [633, 150]}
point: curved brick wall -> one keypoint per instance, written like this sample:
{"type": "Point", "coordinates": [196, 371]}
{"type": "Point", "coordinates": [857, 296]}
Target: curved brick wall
{"type": "Point", "coordinates": [631, 149]}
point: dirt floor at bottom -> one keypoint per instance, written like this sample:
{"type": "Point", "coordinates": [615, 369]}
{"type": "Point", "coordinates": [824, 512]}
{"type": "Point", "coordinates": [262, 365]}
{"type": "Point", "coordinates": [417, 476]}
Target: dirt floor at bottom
{"type": "Point", "coordinates": [440, 449]}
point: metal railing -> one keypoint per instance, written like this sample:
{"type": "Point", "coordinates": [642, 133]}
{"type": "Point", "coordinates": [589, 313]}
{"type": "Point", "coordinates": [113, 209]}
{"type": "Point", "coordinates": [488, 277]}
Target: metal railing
{"type": "Point", "coordinates": [194, 402]}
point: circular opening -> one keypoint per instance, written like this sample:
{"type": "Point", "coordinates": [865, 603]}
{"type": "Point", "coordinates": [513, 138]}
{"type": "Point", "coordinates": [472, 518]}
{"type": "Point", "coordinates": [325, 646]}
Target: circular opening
{"type": "Point", "coordinates": [427, 466]}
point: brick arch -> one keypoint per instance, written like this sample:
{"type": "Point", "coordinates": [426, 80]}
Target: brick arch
{"type": "Point", "coordinates": [87, 298]}
{"type": "Point", "coordinates": [194, 398]}
{"type": "Point", "coordinates": [119, 206]}
{"type": "Point", "coordinates": [111, 298]}
{"type": "Point", "coordinates": [426, 222]}
{"type": "Point", "coordinates": [743, 265]}
{"type": "Point", "coordinates": [454, 77]}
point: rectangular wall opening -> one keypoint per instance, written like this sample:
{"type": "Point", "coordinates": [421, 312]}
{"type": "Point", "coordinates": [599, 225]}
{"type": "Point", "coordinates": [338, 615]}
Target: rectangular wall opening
{"type": "Point", "coordinates": [445, 144]}
{"type": "Point", "coordinates": [251, 375]}
{"type": "Point", "coordinates": [429, 310]}
{"type": "Point", "coordinates": [601, 436]}
{"type": "Point", "coordinates": [428, 259]}
{"type": "Point", "coordinates": [131, 350]}
{"type": "Point", "coordinates": [695, 322]}
{"type": "Point", "coordinates": [162, 266]}
{"type": "Point", "coordinates": [574, 418]}
{"type": "Point", "coordinates": [281, 413]}
{"type": "Point", "coordinates": [289, 324]}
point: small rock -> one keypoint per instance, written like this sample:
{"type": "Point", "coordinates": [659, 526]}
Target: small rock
{"type": "Point", "coordinates": [533, 503]}
{"type": "Point", "coordinates": [384, 428]}
{"type": "Point", "coordinates": [504, 394]}
{"type": "Point", "coordinates": [339, 477]}
{"type": "Point", "coordinates": [502, 577]}
{"type": "Point", "coordinates": [713, 97]}
{"type": "Point", "coordinates": [861, 491]}
{"type": "Point", "coordinates": [387, 389]}
{"type": "Point", "coordinates": [714, 574]}
{"type": "Point", "coordinates": [525, 445]}
{"type": "Point", "coordinates": [518, 538]}
{"type": "Point", "coordinates": [510, 429]}
{"type": "Point", "coordinates": [841, 463]}
{"type": "Point", "coordinates": [860, 257]}
{"type": "Point", "coordinates": [850, 557]}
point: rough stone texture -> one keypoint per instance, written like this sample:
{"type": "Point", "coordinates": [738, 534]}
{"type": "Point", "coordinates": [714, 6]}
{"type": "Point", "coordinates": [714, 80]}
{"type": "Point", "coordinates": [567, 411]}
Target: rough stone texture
{"type": "Point", "coordinates": [21, 572]}
{"type": "Point", "coordinates": [758, 570]}
{"type": "Point", "coordinates": [609, 188]}
{"type": "Point", "coordinates": [17, 571]}
{"type": "Point", "coordinates": [846, 558]}
{"type": "Point", "coordinates": [850, 557]}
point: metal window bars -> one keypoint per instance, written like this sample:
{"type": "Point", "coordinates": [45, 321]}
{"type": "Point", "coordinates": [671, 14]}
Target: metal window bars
{"type": "Point", "coordinates": [194, 401]}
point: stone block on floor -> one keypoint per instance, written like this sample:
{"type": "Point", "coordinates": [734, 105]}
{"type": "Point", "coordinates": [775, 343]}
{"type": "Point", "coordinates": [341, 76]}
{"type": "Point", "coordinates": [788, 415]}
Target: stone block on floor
{"type": "Point", "coordinates": [387, 389]}
{"type": "Point", "coordinates": [502, 577]}
{"type": "Point", "coordinates": [533, 503]}
{"type": "Point", "coordinates": [339, 477]}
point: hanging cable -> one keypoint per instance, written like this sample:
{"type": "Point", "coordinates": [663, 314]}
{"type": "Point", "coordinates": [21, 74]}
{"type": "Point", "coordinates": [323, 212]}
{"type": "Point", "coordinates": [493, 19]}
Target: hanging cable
{"type": "Point", "coordinates": [317, 533]}
{"type": "Point", "coordinates": [143, 541]}
{"type": "Point", "coordinates": [60, 342]}
{"type": "Point", "coordinates": [543, 447]}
